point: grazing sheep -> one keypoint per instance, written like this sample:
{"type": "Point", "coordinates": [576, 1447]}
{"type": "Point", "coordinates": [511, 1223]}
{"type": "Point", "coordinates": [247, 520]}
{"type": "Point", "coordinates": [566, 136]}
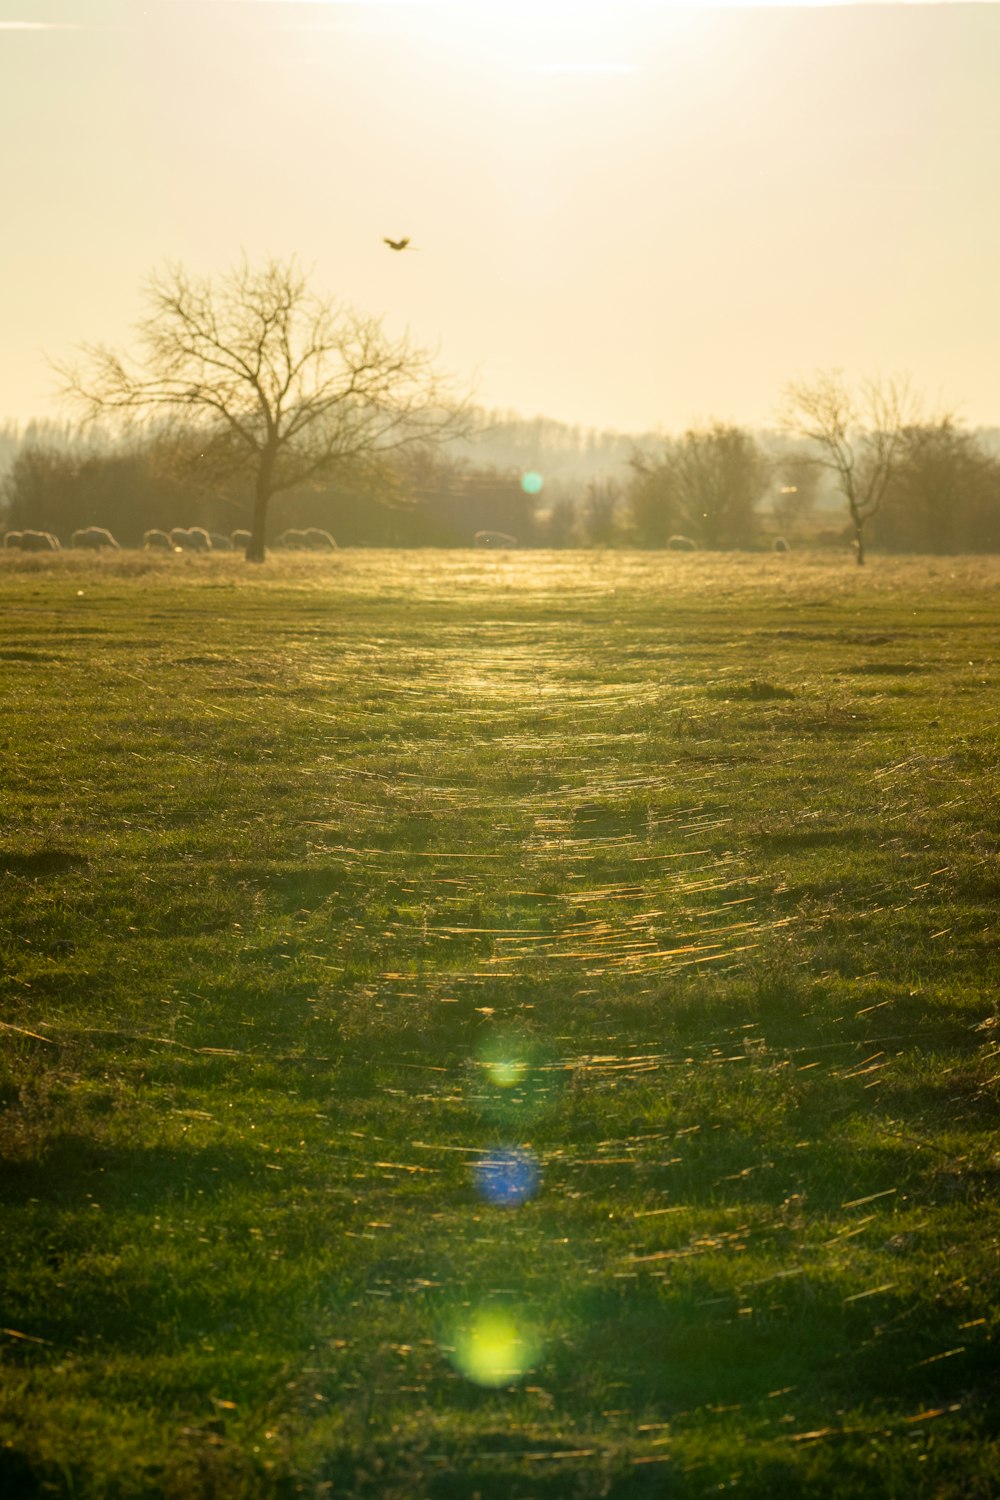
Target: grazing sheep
{"type": "Point", "coordinates": [318, 540]}
{"type": "Point", "coordinates": [312, 539]}
{"type": "Point", "coordinates": [219, 542]}
{"type": "Point", "coordinates": [780, 545]}
{"type": "Point", "coordinates": [39, 541]}
{"type": "Point", "coordinates": [12, 539]}
{"type": "Point", "coordinates": [682, 544]}
{"type": "Point", "coordinates": [157, 541]}
{"type": "Point", "coordinates": [241, 540]}
{"type": "Point", "coordinates": [494, 539]}
{"type": "Point", "coordinates": [191, 538]}
{"type": "Point", "coordinates": [94, 538]}
{"type": "Point", "coordinates": [292, 538]}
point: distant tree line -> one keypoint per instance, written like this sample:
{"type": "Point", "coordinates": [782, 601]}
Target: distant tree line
{"type": "Point", "coordinates": [720, 485]}
{"type": "Point", "coordinates": [62, 490]}
{"type": "Point", "coordinates": [944, 494]}
{"type": "Point", "coordinates": [939, 493]}
{"type": "Point", "coordinates": [421, 499]}
{"type": "Point", "coordinates": [253, 404]}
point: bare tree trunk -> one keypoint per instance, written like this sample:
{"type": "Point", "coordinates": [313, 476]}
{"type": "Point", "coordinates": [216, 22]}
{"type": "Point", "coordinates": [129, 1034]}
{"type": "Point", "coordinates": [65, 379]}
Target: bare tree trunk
{"type": "Point", "coordinates": [859, 546]}
{"type": "Point", "coordinates": [258, 526]}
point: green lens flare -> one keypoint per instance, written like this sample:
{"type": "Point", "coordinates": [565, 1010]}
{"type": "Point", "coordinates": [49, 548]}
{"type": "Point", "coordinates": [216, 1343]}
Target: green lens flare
{"type": "Point", "coordinates": [512, 1076]}
{"type": "Point", "coordinates": [507, 1060]}
{"type": "Point", "coordinates": [494, 1348]}
{"type": "Point", "coordinates": [532, 482]}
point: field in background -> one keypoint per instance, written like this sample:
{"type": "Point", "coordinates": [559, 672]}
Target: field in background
{"type": "Point", "coordinates": [654, 896]}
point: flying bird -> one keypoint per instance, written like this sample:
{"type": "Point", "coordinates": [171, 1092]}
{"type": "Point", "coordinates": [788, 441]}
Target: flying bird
{"type": "Point", "coordinates": [397, 244]}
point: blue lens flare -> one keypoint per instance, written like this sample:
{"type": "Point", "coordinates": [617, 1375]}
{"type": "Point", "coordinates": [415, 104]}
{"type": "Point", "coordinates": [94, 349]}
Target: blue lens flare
{"type": "Point", "coordinates": [507, 1178]}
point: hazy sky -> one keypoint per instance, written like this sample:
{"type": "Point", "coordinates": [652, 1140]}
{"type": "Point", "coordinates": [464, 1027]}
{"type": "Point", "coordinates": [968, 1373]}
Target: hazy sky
{"type": "Point", "coordinates": [626, 215]}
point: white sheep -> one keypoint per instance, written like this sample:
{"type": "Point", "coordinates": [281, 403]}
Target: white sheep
{"type": "Point", "coordinates": [94, 538]}
{"type": "Point", "coordinates": [494, 539]}
{"type": "Point", "coordinates": [191, 538]}
{"type": "Point", "coordinates": [157, 541]}
{"type": "Point", "coordinates": [39, 541]}
{"type": "Point", "coordinates": [318, 540]}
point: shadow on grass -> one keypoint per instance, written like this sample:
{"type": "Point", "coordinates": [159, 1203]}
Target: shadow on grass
{"type": "Point", "coordinates": [74, 1164]}
{"type": "Point", "coordinates": [821, 838]}
{"type": "Point", "coordinates": [42, 862]}
{"type": "Point", "coordinates": [300, 888]}
{"type": "Point", "coordinates": [699, 1345]}
{"type": "Point", "coordinates": [886, 669]}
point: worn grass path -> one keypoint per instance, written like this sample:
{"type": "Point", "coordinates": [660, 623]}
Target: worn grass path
{"type": "Point", "coordinates": [674, 877]}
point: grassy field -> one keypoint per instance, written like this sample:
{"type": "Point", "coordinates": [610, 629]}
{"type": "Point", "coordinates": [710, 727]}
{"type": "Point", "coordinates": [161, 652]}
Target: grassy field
{"type": "Point", "coordinates": [654, 896]}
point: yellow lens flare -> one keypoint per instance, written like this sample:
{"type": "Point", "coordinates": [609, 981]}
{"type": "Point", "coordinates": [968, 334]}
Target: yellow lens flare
{"type": "Point", "coordinates": [505, 1058]}
{"type": "Point", "coordinates": [512, 1075]}
{"type": "Point", "coordinates": [506, 1073]}
{"type": "Point", "coordinates": [494, 1347]}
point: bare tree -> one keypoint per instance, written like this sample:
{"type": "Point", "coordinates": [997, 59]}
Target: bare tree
{"type": "Point", "coordinates": [860, 436]}
{"type": "Point", "coordinates": [257, 376]}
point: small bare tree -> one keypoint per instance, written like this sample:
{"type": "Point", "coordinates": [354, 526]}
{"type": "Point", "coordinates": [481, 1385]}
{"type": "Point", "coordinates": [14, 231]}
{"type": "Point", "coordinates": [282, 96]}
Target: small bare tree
{"type": "Point", "coordinates": [860, 436]}
{"type": "Point", "coordinates": [254, 375]}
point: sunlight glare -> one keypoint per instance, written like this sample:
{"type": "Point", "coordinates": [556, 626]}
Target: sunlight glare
{"type": "Point", "coordinates": [585, 36]}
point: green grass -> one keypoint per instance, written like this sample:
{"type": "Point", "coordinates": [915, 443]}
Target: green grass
{"type": "Point", "coordinates": [319, 880]}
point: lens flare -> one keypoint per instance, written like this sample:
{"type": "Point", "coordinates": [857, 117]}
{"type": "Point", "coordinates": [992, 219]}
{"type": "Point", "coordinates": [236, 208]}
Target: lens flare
{"type": "Point", "coordinates": [510, 1079]}
{"type": "Point", "coordinates": [505, 1058]}
{"type": "Point", "coordinates": [494, 1347]}
{"type": "Point", "coordinates": [505, 1072]}
{"type": "Point", "coordinates": [507, 1178]}
{"type": "Point", "coordinates": [532, 482]}
{"type": "Point", "coordinates": [513, 1078]}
